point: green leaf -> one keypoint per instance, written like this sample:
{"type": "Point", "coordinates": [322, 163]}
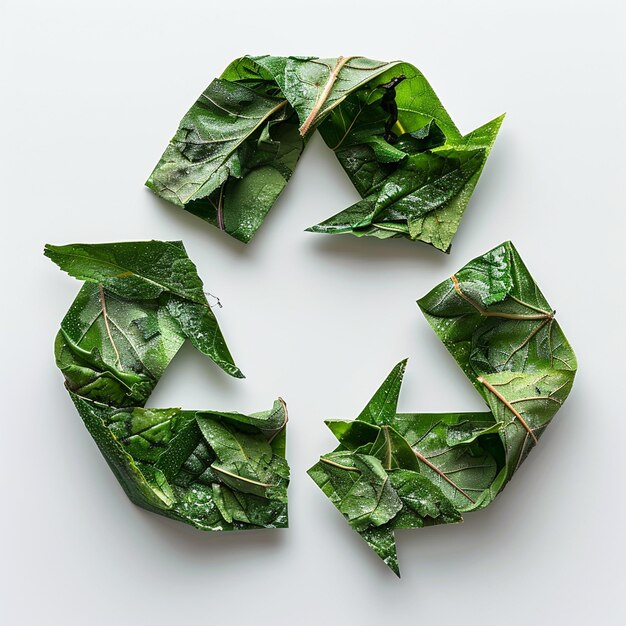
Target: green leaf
{"type": "Point", "coordinates": [231, 157]}
{"type": "Point", "coordinates": [138, 270]}
{"type": "Point", "coordinates": [411, 162]}
{"type": "Point", "coordinates": [383, 542]}
{"type": "Point", "coordinates": [140, 302]}
{"type": "Point", "coordinates": [214, 470]}
{"type": "Point", "coordinates": [238, 145]}
{"type": "Point", "coordinates": [524, 404]}
{"type": "Point", "coordinates": [371, 501]}
{"type": "Point", "coordinates": [393, 451]}
{"type": "Point", "coordinates": [438, 466]}
{"type": "Point", "coordinates": [382, 407]}
{"type": "Point", "coordinates": [423, 184]}
{"type": "Point", "coordinates": [270, 422]}
{"type": "Point", "coordinates": [198, 323]}
{"type": "Point", "coordinates": [314, 86]}
{"type": "Point", "coordinates": [108, 358]}
{"type": "Point", "coordinates": [492, 317]}
{"type": "Point", "coordinates": [244, 460]}
{"type": "Point", "coordinates": [462, 470]}
{"type": "Point", "coordinates": [423, 502]}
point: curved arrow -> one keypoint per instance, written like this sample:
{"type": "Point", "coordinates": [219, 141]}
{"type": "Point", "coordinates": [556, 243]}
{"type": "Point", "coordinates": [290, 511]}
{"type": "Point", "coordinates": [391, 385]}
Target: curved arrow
{"type": "Point", "coordinates": [140, 302]}
{"type": "Point", "coordinates": [238, 145]}
{"type": "Point", "coordinates": [395, 470]}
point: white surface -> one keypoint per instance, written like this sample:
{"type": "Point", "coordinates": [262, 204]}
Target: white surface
{"type": "Point", "coordinates": [91, 94]}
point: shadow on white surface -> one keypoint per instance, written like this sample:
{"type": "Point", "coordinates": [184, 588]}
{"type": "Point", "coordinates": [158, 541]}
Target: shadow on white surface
{"type": "Point", "coordinates": [196, 545]}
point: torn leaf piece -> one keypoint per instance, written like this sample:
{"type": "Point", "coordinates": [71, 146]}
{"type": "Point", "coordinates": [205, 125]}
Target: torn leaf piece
{"type": "Point", "coordinates": [139, 303]}
{"type": "Point", "coordinates": [416, 180]}
{"type": "Point", "coordinates": [407, 470]}
{"type": "Point", "coordinates": [496, 323]}
{"type": "Point", "coordinates": [232, 155]}
{"type": "Point", "coordinates": [167, 464]}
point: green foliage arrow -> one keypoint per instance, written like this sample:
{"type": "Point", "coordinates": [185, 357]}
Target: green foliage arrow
{"type": "Point", "coordinates": [140, 302]}
{"type": "Point", "coordinates": [397, 470]}
{"type": "Point", "coordinates": [238, 145]}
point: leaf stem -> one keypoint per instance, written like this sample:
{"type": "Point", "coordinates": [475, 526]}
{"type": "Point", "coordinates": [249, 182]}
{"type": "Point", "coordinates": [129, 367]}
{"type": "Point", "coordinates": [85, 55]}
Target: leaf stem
{"type": "Point", "coordinates": [352, 123]}
{"type": "Point", "coordinates": [387, 447]}
{"type": "Point", "coordinates": [508, 405]}
{"type": "Point", "coordinates": [341, 61]}
{"type": "Point", "coordinates": [105, 315]}
{"type": "Point", "coordinates": [221, 470]}
{"type": "Point", "coordinates": [509, 316]}
{"type": "Point", "coordinates": [218, 302]}
{"type": "Point", "coordinates": [531, 306]}
{"type": "Point", "coordinates": [339, 465]}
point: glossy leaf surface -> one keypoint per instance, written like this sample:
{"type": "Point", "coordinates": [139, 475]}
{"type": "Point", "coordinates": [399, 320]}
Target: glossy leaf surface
{"type": "Point", "coordinates": [139, 303]}
{"type": "Point", "coordinates": [398, 470]}
{"type": "Point", "coordinates": [238, 145]}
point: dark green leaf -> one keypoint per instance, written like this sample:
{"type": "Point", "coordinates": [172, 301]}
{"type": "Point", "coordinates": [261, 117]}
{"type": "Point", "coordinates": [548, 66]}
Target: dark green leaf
{"type": "Point", "coordinates": [140, 302]}
{"type": "Point", "coordinates": [238, 145]}
{"type": "Point", "coordinates": [381, 409]}
{"type": "Point", "coordinates": [214, 470]}
{"type": "Point", "coordinates": [423, 184]}
{"type": "Point", "coordinates": [371, 501]}
{"type": "Point", "coordinates": [434, 193]}
{"type": "Point", "coordinates": [502, 332]}
{"type": "Point", "coordinates": [232, 155]}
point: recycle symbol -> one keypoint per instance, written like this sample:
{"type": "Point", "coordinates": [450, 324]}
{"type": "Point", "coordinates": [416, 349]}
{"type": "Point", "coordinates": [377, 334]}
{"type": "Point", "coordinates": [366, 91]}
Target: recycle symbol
{"type": "Point", "coordinates": [231, 157]}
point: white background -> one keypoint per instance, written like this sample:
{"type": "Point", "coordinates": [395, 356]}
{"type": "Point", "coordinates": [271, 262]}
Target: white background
{"type": "Point", "coordinates": [91, 93]}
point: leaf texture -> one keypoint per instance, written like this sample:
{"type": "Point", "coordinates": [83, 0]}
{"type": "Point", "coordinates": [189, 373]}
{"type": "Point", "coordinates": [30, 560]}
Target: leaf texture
{"type": "Point", "coordinates": [408, 470]}
{"type": "Point", "coordinates": [238, 145]}
{"type": "Point", "coordinates": [140, 302]}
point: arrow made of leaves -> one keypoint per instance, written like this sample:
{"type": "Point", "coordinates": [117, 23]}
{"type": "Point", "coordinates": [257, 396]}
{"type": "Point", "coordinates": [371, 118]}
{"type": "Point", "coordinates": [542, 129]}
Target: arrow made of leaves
{"type": "Point", "coordinates": [238, 145]}
{"type": "Point", "coordinates": [397, 470]}
{"type": "Point", "coordinates": [140, 302]}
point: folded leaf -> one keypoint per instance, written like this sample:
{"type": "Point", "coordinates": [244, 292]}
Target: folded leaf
{"type": "Point", "coordinates": [140, 302]}
{"type": "Point", "coordinates": [431, 468]}
{"type": "Point", "coordinates": [499, 327]}
{"type": "Point", "coordinates": [388, 154]}
{"type": "Point", "coordinates": [423, 184]}
{"type": "Point", "coordinates": [231, 157]}
{"type": "Point", "coordinates": [314, 86]}
{"type": "Point", "coordinates": [238, 145]}
{"type": "Point", "coordinates": [136, 270]}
